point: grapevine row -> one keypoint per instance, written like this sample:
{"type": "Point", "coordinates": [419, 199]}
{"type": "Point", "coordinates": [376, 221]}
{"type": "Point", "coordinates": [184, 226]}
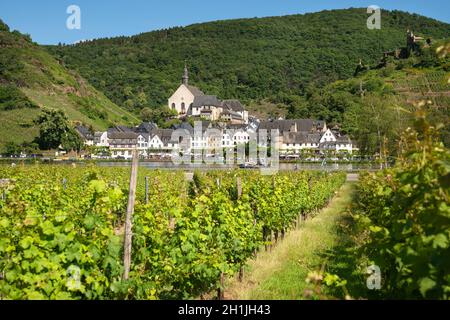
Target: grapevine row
{"type": "Point", "coordinates": [61, 229]}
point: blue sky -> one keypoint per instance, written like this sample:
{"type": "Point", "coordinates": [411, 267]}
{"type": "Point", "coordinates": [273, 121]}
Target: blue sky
{"type": "Point", "coordinates": [45, 20]}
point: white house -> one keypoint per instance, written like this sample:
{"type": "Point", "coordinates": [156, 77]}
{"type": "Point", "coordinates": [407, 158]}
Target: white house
{"type": "Point", "coordinates": [234, 112]}
{"type": "Point", "coordinates": [121, 144]}
{"type": "Point", "coordinates": [307, 134]}
{"type": "Point", "coordinates": [86, 135]}
{"type": "Point", "coordinates": [328, 136]}
{"type": "Point", "coordinates": [199, 141]}
{"type": "Point", "coordinates": [207, 107]}
{"type": "Point", "coordinates": [227, 140]}
{"type": "Point", "coordinates": [142, 144]}
{"type": "Point", "coordinates": [101, 139]}
{"type": "Point", "coordinates": [344, 144]}
{"type": "Point", "coordinates": [241, 137]}
{"type": "Point", "coordinates": [161, 139]}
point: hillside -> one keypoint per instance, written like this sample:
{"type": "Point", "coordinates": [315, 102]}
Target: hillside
{"type": "Point", "coordinates": [382, 100]}
{"type": "Point", "coordinates": [31, 78]}
{"type": "Point", "coordinates": [249, 59]}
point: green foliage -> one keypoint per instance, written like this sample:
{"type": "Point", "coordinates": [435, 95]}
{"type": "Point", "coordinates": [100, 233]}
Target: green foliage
{"type": "Point", "coordinates": [160, 116]}
{"type": "Point", "coordinates": [30, 76]}
{"type": "Point", "coordinates": [12, 149]}
{"type": "Point", "coordinates": [10, 67]}
{"type": "Point", "coordinates": [406, 216]}
{"type": "Point", "coordinates": [54, 245]}
{"type": "Point", "coordinates": [376, 124]}
{"type": "Point", "coordinates": [71, 140]}
{"type": "Point", "coordinates": [53, 125]}
{"type": "Point", "coordinates": [54, 130]}
{"type": "Point", "coordinates": [375, 107]}
{"type": "Point", "coordinates": [429, 58]}
{"type": "Point", "coordinates": [248, 59]}
{"type": "Point", "coordinates": [12, 98]}
{"type": "Point", "coordinates": [3, 26]}
{"type": "Point", "coordinates": [146, 115]}
{"type": "Point", "coordinates": [63, 240]}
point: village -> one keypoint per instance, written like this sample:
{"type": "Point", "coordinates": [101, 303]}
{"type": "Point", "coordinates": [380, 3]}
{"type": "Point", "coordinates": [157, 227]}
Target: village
{"type": "Point", "coordinates": [222, 124]}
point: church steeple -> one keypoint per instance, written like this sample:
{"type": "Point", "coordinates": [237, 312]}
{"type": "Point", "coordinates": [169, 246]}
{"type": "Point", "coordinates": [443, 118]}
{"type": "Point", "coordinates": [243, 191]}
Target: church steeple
{"type": "Point", "coordinates": [185, 78]}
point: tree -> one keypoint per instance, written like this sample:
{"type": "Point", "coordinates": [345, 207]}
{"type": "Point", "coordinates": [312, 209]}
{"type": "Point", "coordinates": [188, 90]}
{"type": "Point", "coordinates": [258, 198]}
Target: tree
{"type": "Point", "coordinates": [3, 26]}
{"type": "Point", "coordinates": [160, 116]}
{"type": "Point", "coordinates": [54, 130]}
{"type": "Point", "coordinates": [141, 100]}
{"type": "Point", "coordinates": [71, 141]}
{"type": "Point", "coordinates": [128, 92]}
{"type": "Point", "coordinates": [129, 104]}
{"type": "Point", "coordinates": [237, 59]}
{"type": "Point", "coordinates": [146, 114]}
{"type": "Point", "coordinates": [375, 123]}
{"type": "Point", "coordinates": [29, 147]}
{"type": "Point", "coordinates": [12, 149]}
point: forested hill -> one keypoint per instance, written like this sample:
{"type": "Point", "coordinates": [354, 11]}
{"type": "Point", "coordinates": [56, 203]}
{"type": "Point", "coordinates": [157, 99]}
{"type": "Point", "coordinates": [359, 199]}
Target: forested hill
{"type": "Point", "coordinates": [249, 59]}
{"type": "Point", "coordinates": [31, 78]}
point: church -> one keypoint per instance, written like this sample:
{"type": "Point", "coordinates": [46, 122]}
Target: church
{"type": "Point", "coordinates": [189, 101]}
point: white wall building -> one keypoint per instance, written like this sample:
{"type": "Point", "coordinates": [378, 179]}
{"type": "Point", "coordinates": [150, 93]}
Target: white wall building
{"type": "Point", "coordinates": [328, 136]}
{"type": "Point", "coordinates": [101, 139]}
{"type": "Point", "coordinates": [190, 101]}
{"type": "Point", "coordinates": [183, 98]}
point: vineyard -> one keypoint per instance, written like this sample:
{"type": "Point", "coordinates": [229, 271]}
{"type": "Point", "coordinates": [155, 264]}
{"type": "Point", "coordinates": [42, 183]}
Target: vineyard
{"type": "Point", "coordinates": [405, 217]}
{"type": "Point", "coordinates": [62, 228]}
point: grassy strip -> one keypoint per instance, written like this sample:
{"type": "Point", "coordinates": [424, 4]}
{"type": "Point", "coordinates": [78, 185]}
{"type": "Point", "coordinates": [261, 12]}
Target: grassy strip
{"type": "Point", "coordinates": [321, 243]}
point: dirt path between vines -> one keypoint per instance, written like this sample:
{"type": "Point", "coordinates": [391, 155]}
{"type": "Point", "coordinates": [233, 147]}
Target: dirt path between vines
{"type": "Point", "coordinates": [280, 274]}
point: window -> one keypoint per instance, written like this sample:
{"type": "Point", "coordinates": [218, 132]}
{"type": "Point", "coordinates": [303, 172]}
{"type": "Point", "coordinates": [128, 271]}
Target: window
{"type": "Point", "coordinates": [173, 106]}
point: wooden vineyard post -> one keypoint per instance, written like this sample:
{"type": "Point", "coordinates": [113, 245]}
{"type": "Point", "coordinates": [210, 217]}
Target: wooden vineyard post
{"type": "Point", "coordinates": [4, 183]}
{"type": "Point", "coordinates": [273, 234]}
{"type": "Point", "coordinates": [146, 190]}
{"type": "Point", "coordinates": [220, 290]}
{"type": "Point", "coordinates": [129, 217]}
{"type": "Point", "coordinates": [255, 221]}
{"type": "Point", "coordinates": [265, 236]}
{"type": "Point", "coordinates": [241, 273]}
{"type": "Point", "coordinates": [270, 241]}
{"type": "Point", "coordinates": [239, 187]}
{"type": "Point", "coordinates": [239, 194]}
